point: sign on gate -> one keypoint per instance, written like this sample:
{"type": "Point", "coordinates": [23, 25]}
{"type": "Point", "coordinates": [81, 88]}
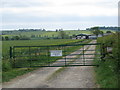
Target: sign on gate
{"type": "Point", "coordinates": [55, 53]}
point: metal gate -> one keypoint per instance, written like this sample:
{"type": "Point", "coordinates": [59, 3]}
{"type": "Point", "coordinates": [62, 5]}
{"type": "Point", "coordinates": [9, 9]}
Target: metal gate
{"type": "Point", "coordinates": [56, 55]}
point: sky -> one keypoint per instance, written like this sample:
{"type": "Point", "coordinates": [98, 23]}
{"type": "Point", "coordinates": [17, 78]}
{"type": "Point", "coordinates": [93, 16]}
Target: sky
{"type": "Point", "coordinates": [56, 14]}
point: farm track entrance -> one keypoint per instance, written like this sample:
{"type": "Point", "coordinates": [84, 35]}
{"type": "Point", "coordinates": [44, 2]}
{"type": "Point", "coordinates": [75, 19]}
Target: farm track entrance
{"type": "Point", "coordinates": [55, 55]}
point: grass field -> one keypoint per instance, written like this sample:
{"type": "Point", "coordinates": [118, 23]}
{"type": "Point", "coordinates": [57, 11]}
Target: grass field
{"type": "Point", "coordinates": [46, 33]}
{"type": "Point", "coordinates": [68, 32]}
{"type": "Point", "coordinates": [35, 35]}
{"type": "Point", "coordinates": [6, 44]}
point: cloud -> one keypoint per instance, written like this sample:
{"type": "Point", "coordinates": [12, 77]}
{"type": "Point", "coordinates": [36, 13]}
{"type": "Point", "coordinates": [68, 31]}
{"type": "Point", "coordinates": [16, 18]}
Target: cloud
{"type": "Point", "coordinates": [25, 3]}
{"type": "Point", "coordinates": [9, 17]}
{"type": "Point", "coordinates": [61, 7]}
{"type": "Point", "coordinates": [58, 11]}
{"type": "Point", "coordinates": [85, 10]}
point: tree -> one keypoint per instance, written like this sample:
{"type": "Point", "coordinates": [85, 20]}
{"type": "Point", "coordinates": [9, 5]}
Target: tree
{"type": "Point", "coordinates": [32, 36]}
{"type": "Point", "coordinates": [43, 30]}
{"type": "Point", "coordinates": [53, 35]}
{"type": "Point", "coordinates": [96, 31]}
{"type": "Point", "coordinates": [6, 38]}
{"type": "Point", "coordinates": [94, 28]}
{"type": "Point", "coordinates": [63, 35]}
{"type": "Point", "coordinates": [24, 38]}
{"type": "Point", "coordinates": [73, 35]}
{"type": "Point", "coordinates": [61, 29]}
{"type": "Point", "coordinates": [2, 38]}
{"type": "Point", "coordinates": [57, 30]}
{"type": "Point", "coordinates": [17, 37]}
{"type": "Point", "coordinates": [108, 32]}
{"type": "Point", "coordinates": [102, 33]}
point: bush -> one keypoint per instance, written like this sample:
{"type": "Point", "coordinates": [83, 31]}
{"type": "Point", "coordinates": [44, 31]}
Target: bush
{"type": "Point", "coordinates": [116, 52]}
{"type": "Point", "coordinates": [6, 38]}
{"type": "Point", "coordinates": [112, 64]}
{"type": "Point", "coordinates": [108, 32]}
{"type": "Point", "coordinates": [6, 65]}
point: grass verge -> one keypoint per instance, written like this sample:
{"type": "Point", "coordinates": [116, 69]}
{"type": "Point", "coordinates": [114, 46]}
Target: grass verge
{"type": "Point", "coordinates": [14, 73]}
{"type": "Point", "coordinates": [105, 74]}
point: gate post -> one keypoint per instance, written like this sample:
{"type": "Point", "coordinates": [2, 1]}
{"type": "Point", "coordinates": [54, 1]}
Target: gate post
{"type": "Point", "coordinates": [65, 55]}
{"type": "Point", "coordinates": [11, 52]}
{"type": "Point", "coordinates": [11, 56]}
{"type": "Point", "coordinates": [48, 56]}
{"type": "Point", "coordinates": [83, 55]}
{"type": "Point", "coordinates": [30, 56]}
{"type": "Point", "coordinates": [103, 52]}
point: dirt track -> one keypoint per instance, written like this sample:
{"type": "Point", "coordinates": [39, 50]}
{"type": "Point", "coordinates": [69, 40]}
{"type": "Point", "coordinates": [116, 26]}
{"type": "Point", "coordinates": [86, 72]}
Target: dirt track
{"type": "Point", "coordinates": [57, 77]}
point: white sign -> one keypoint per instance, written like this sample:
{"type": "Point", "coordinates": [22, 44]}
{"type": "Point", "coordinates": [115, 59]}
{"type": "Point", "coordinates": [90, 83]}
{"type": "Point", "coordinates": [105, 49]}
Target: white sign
{"type": "Point", "coordinates": [55, 52]}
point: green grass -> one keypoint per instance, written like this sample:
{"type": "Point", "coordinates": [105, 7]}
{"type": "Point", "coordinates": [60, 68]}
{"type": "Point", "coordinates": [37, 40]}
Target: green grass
{"type": "Point", "coordinates": [46, 33]}
{"type": "Point", "coordinates": [76, 32]}
{"type": "Point", "coordinates": [68, 32]}
{"type": "Point", "coordinates": [7, 44]}
{"type": "Point", "coordinates": [50, 34]}
{"type": "Point", "coordinates": [28, 34]}
{"type": "Point", "coordinates": [105, 75]}
{"type": "Point", "coordinates": [6, 76]}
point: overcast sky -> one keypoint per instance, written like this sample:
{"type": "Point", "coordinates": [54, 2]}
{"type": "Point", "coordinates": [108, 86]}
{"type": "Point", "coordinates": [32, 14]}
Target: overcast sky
{"type": "Point", "coordinates": [55, 14]}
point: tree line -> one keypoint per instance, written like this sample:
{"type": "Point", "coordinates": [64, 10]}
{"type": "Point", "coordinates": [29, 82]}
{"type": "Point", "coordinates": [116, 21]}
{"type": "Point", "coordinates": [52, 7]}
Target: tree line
{"type": "Point", "coordinates": [61, 35]}
{"type": "Point", "coordinates": [107, 28]}
{"type": "Point", "coordinates": [6, 38]}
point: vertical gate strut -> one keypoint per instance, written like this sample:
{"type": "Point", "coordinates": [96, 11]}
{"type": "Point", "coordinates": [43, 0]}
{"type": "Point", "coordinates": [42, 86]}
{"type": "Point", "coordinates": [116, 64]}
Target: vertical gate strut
{"type": "Point", "coordinates": [65, 55]}
{"type": "Point", "coordinates": [83, 55]}
{"type": "Point", "coordinates": [30, 57]}
{"type": "Point", "coordinates": [14, 57]}
{"type": "Point", "coordinates": [48, 56]}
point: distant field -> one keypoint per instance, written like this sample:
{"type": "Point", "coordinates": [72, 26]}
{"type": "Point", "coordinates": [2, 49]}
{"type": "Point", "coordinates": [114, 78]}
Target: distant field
{"type": "Point", "coordinates": [48, 34]}
{"type": "Point", "coordinates": [6, 44]}
{"type": "Point", "coordinates": [68, 32]}
{"type": "Point", "coordinates": [71, 32]}
{"type": "Point", "coordinates": [24, 33]}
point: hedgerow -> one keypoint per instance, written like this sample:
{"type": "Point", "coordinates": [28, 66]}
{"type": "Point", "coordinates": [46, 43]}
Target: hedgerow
{"type": "Point", "coordinates": [109, 71]}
